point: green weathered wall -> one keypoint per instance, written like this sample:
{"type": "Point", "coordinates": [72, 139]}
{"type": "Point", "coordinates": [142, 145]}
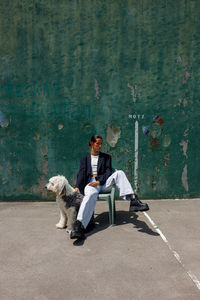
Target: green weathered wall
{"type": "Point", "coordinates": [69, 69]}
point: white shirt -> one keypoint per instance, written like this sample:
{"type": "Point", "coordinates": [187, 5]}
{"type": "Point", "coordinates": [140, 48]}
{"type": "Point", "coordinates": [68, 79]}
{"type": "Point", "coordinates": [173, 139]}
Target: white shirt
{"type": "Point", "coordinates": [94, 163]}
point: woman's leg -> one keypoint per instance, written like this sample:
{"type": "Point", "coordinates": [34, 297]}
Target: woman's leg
{"type": "Point", "coordinates": [88, 205]}
{"type": "Point", "coordinates": [119, 179]}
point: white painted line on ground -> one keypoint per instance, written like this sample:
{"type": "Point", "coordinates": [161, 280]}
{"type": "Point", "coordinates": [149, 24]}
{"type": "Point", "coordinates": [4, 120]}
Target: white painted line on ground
{"type": "Point", "coordinates": [176, 255]}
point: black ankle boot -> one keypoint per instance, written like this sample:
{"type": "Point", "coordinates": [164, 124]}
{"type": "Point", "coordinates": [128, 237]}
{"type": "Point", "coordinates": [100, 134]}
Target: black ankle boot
{"type": "Point", "coordinates": [78, 232]}
{"type": "Point", "coordinates": [91, 225]}
{"type": "Point", "coordinates": [137, 205]}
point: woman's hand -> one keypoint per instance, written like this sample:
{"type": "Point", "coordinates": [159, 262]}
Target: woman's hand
{"type": "Point", "coordinates": [94, 183]}
{"type": "Point", "coordinates": [77, 190]}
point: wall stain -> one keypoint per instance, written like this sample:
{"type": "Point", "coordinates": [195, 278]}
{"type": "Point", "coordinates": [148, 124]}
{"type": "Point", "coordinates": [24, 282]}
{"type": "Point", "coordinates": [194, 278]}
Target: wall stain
{"type": "Point", "coordinates": [187, 76]}
{"type": "Point", "coordinates": [154, 131]}
{"type": "Point", "coordinates": [185, 102]}
{"type": "Point", "coordinates": [96, 87]}
{"type": "Point", "coordinates": [154, 182]}
{"type": "Point", "coordinates": [3, 120]}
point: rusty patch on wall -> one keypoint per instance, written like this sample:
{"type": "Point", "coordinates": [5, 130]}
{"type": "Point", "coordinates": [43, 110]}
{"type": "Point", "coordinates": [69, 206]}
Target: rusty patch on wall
{"type": "Point", "coordinates": [154, 131]}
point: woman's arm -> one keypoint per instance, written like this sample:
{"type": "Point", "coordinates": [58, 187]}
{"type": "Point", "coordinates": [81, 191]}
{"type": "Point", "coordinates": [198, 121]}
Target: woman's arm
{"type": "Point", "coordinates": [107, 171]}
{"type": "Point", "coordinates": [94, 183]}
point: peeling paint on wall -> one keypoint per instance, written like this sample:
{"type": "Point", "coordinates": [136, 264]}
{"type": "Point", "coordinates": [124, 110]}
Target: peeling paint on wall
{"type": "Point", "coordinates": [183, 102]}
{"type": "Point", "coordinates": [184, 144]}
{"type": "Point", "coordinates": [113, 134]}
{"type": "Point", "coordinates": [186, 132]}
{"type": "Point", "coordinates": [133, 94]}
{"type": "Point", "coordinates": [166, 160]}
{"type": "Point", "coordinates": [60, 126]}
{"type": "Point", "coordinates": [185, 179]}
{"type": "Point", "coordinates": [3, 120]}
{"type": "Point", "coordinates": [166, 140]}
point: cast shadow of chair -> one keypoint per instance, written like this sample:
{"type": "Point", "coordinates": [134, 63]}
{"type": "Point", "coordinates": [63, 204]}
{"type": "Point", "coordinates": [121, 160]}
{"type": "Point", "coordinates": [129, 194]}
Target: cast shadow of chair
{"type": "Point", "coordinates": [122, 218]}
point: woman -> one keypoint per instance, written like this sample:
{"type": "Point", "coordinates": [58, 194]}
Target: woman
{"type": "Point", "coordinates": [95, 175]}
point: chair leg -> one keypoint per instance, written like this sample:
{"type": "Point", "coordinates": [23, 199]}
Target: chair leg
{"type": "Point", "coordinates": [110, 210]}
{"type": "Point", "coordinates": [113, 211]}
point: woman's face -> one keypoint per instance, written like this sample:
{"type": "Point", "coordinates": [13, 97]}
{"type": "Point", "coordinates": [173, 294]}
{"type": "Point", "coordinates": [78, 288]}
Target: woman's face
{"type": "Point", "coordinates": [96, 146]}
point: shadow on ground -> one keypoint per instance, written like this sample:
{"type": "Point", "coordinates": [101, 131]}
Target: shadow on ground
{"type": "Point", "coordinates": [123, 217]}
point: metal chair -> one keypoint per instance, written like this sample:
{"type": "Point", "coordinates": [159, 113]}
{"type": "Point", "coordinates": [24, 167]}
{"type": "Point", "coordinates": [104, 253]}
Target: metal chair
{"type": "Point", "coordinates": [110, 197]}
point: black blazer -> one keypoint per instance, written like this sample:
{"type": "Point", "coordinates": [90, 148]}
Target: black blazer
{"type": "Point", "coordinates": [104, 170]}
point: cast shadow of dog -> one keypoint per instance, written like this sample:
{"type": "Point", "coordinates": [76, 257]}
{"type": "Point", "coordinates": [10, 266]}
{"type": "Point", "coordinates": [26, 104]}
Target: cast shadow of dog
{"type": "Point", "coordinates": [122, 217]}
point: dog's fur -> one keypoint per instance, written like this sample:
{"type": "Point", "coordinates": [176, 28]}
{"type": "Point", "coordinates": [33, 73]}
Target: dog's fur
{"type": "Point", "coordinates": [68, 201]}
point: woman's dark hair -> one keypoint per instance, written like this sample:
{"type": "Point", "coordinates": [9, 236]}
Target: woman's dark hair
{"type": "Point", "coordinates": [94, 138]}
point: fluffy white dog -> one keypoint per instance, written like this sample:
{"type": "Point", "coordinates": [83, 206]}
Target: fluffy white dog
{"type": "Point", "coordinates": [68, 201]}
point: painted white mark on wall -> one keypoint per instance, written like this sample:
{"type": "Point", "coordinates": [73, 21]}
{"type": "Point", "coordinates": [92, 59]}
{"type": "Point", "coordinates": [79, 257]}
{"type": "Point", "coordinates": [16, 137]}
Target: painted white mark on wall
{"type": "Point", "coordinates": [96, 87]}
{"type": "Point", "coordinates": [135, 116]}
{"type": "Point", "coordinates": [185, 179]}
{"type": "Point", "coordinates": [133, 93]}
{"type": "Point", "coordinates": [113, 134]}
{"type": "Point", "coordinates": [184, 144]}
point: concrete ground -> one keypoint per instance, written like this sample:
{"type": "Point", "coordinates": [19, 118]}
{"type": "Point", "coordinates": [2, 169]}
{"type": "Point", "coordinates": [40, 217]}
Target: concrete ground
{"type": "Point", "coordinates": [153, 255]}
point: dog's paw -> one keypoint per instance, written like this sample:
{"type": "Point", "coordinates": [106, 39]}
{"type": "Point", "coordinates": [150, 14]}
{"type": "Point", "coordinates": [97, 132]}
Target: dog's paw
{"type": "Point", "coordinates": [60, 226]}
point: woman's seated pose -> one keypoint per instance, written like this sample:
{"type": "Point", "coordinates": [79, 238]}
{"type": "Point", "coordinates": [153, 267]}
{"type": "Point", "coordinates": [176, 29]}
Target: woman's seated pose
{"type": "Point", "coordinates": [95, 176]}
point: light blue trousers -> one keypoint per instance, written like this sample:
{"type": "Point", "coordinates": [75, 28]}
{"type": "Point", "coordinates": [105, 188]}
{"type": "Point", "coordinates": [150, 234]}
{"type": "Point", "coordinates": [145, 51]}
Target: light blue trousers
{"type": "Point", "coordinates": [118, 178]}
